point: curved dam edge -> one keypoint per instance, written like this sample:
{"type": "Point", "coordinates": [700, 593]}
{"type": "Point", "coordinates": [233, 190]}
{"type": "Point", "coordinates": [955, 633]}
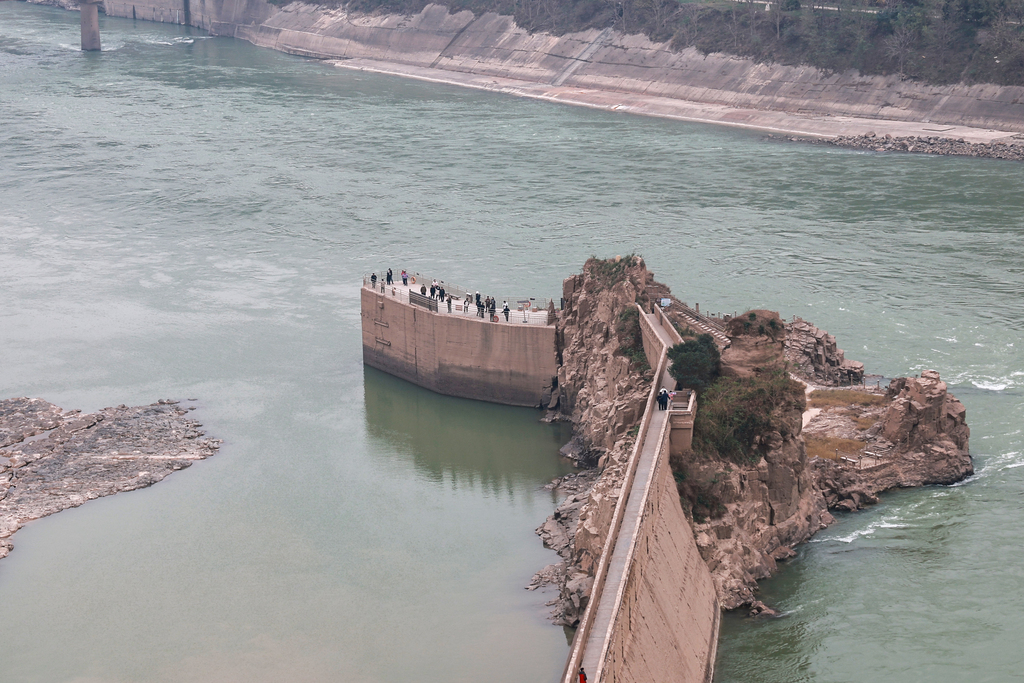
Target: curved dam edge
{"type": "Point", "coordinates": [605, 69]}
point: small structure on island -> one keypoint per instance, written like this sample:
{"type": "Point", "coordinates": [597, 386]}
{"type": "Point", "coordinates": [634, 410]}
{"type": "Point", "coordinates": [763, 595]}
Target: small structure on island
{"type": "Point", "coordinates": [90, 24]}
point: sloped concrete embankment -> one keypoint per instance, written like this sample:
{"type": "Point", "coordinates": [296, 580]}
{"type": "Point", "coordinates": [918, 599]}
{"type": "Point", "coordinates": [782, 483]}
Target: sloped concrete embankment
{"type": "Point", "coordinates": [493, 45]}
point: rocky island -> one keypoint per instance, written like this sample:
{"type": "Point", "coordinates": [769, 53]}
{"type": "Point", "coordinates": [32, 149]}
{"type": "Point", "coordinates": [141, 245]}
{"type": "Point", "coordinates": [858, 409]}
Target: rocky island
{"type": "Point", "coordinates": [53, 459]}
{"type": "Point", "coordinates": [786, 469]}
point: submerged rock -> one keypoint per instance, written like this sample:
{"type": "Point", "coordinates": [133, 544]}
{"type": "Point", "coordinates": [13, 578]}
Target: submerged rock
{"type": "Point", "coordinates": [51, 459]}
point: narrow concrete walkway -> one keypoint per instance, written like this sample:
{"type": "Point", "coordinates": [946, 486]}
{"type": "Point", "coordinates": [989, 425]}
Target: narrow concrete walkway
{"type": "Point", "coordinates": [617, 569]}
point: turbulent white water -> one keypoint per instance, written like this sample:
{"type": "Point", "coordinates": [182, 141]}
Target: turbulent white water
{"type": "Point", "coordinates": [189, 216]}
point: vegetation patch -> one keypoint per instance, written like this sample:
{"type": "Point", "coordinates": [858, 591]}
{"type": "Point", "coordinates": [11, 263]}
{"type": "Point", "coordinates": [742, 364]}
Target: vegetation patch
{"type": "Point", "coordinates": [695, 363]}
{"type": "Point", "coordinates": [684, 330]}
{"type": "Point", "coordinates": [826, 446]}
{"type": "Point", "coordinates": [627, 329]}
{"type": "Point", "coordinates": [736, 413]}
{"type": "Point", "coordinates": [936, 41]}
{"type": "Point", "coordinates": [698, 494]}
{"type": "Point", "coordinates": [606, 273]}
{"type": "Point", "coordinates": [832, 398]}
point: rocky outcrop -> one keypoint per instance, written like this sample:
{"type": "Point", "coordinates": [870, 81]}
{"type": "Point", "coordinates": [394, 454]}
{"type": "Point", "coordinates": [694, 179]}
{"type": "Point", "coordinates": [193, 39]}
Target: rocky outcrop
{"type": "Point", "coordinates": [814, 355]}
{"type": "Point", "coordinates": [921, 439]}
{"type": "Point", "coordinates": [52, 459]}
{"type": "Point", "coordinates": [1011, 149]}
{"type": "Point", "coordinates": [758, 510]}
{"type": "Point", "coordinates": [767, 508]}
{"type": "Point", "coordinates": [747, 515]}
{"type": "Point", "coordinates": [756, 343]}
{"type": "Point", "coordinates": [604, 394]}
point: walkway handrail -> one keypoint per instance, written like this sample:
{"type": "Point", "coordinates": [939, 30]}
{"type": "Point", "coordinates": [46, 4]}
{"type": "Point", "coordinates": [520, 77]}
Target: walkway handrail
{"type": "Point", "coordinates": [589, 615]}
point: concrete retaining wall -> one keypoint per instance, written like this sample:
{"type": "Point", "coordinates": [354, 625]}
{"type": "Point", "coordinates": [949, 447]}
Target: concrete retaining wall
{"type": "Point", "coordinates": [458, 356]}
{"type": "Point", "coordinates": [667, 625]}
{"type": "Point", "coordinates": [493, 45]}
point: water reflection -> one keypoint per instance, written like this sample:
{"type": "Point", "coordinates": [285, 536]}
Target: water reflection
{"type": "Point", "coordinates": [464, 442]}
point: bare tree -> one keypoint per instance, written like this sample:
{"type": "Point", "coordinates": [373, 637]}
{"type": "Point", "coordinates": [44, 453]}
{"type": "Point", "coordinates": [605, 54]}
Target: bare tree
{"type": "Point", "coordinates": [898, 46]}
{"type": "Point", "coordinates": [775, 12]}
{"type": "Point", "coordinates": [734, 28]}
{"type": "Point", "coordinates": [688, 17]}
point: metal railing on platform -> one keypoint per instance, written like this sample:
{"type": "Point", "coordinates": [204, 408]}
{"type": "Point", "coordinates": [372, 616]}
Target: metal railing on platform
{"type": "Point", "coordinates": [522, 310]}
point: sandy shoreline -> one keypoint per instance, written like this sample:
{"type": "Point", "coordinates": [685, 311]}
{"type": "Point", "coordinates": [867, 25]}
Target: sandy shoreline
{"type": "Point", "coordinates": [776, 122]}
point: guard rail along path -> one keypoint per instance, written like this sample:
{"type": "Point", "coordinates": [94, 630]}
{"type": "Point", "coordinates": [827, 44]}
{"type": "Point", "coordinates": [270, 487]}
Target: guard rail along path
{"type": "Point", "coordinates": [653, 613]}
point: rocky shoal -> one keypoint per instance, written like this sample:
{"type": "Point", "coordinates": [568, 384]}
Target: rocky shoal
{"type": "Point", "coordinates": [53, 459]}
{"type": "Point", "coordinates": [1011, 149]}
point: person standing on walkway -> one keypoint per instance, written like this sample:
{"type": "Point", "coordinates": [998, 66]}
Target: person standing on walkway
{"type": "Point", "coordinates": [441, 294]}
{"type": "Point", "coordinates": [373, 281]}
{"type": "Point", "coordinates": [505, 310]}
{"type": "Point", "coordinates": [405, 278]}
{"type": "Point", "coordinates": [433, 291]}
{"type": "Point", "coordinates": [494, 307]}
{"type": "Point", "coordinates": [449, 303]}
{"type": "Point", "coordinates": [391, 279]}
{"type": "Point", "coordinates": [663, 399]}
{"type": "Point", "coordinates": [583, 676]}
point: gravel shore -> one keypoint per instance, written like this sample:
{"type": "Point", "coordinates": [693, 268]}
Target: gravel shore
{"type": "Point", "coordinates": [1010, 148]}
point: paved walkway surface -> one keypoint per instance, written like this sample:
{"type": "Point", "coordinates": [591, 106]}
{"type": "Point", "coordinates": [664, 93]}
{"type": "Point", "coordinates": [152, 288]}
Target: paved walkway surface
{"type": "Point", "coordinates": [617, 569]}
{"type": "Point", "coordinates": [784, 123]}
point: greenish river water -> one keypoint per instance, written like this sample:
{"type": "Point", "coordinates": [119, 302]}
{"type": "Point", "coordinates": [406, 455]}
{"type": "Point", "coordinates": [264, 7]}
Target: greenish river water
{"type": "Point", "coordinates": [185, 216]}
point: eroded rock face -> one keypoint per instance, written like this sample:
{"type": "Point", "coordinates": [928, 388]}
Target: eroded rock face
{"type": "Point", "coordinates": [814, 355]}
{"type": "Point", "coordinates": [52, 459]}
{"type": "Point", "coordinates": [768, 507]}
{"type": "Point", "coordinates": [604, 394]}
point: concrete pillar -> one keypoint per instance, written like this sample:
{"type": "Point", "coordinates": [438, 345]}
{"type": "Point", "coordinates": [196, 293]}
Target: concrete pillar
{"type": "Point", "coordinates": [90, 24]}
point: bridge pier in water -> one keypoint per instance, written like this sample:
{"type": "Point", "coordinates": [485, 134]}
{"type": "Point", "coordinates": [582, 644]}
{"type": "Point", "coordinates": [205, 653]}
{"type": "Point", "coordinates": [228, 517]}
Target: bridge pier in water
{"type": "Point", "coordinates": [90, 25]}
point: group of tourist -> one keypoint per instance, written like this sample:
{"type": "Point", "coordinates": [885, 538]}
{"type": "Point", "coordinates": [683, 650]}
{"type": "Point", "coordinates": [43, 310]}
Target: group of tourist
{"type": "Point", "coordinates": [485, 307]}
{"type": "Point", "coordinates": [665, 397]}
{"type": "Point", "coordinates": [489, 306]}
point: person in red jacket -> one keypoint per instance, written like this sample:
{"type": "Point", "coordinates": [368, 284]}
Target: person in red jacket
{"type": "Point", "coordinates": [583, 675]}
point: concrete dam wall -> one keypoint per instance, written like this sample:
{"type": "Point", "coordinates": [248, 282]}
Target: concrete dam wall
{"type": "Point", "coordinates": [493, 45]}
{"type": "Point", "coordinates": [456, 355]}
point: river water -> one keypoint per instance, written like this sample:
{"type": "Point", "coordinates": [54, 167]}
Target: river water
{"type": "Point", "coordinates": [186, 216]}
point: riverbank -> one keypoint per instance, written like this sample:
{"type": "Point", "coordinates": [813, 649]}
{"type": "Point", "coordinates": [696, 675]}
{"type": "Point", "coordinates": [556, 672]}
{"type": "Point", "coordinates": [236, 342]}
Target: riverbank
{"type": "Point", "coordinates": [817, 128]}
{"type": "Point", "coordinates": [605, 69]}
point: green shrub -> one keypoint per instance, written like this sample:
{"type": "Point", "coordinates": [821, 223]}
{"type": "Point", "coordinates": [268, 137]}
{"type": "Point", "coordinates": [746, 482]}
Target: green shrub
{"type": "Point", "coordinates": [735, 412]}
{"type": "Point", "coordinates": [695, 362]}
